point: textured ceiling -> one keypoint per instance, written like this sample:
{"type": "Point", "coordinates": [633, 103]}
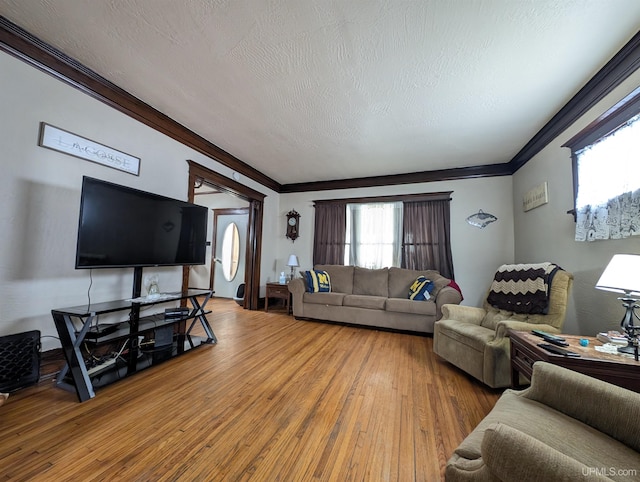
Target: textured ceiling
{"type": "Point", "coordinates": [318, 90]}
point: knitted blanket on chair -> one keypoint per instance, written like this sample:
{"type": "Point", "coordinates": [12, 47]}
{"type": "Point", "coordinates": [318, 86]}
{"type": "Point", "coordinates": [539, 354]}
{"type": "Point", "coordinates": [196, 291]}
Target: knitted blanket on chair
{"type": "Point", "coordinates": [522, 288]}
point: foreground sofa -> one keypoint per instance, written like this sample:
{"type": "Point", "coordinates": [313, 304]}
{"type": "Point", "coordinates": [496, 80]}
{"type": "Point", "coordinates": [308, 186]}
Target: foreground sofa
{"type": "Point", "coordinates": [374, 297]}
{"type": "Point", "coordinates": [476, 340]}
{"type": "Point", "coordinates": [565, 426]}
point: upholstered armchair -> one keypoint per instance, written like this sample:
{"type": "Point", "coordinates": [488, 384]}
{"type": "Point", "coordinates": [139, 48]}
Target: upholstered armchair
{"type": "Point", "coordinates": [476, 339]}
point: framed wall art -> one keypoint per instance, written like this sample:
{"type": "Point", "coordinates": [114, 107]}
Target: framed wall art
{"type": "Point", "coordinates": [57, 139]}
{"type": "Point", "coordinates": [535, 197]}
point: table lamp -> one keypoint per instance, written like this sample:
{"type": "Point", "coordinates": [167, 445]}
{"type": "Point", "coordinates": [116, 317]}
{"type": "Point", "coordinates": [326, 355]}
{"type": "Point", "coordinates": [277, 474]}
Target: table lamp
{"type": "Point", "coordinates": [293, 263]}
{"type": "Point", "coordinates": [622, 275]}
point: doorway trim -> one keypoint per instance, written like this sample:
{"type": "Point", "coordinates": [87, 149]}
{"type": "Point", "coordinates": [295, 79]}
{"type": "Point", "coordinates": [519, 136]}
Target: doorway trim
{"type": "Point", "coordinates": [253, 253]}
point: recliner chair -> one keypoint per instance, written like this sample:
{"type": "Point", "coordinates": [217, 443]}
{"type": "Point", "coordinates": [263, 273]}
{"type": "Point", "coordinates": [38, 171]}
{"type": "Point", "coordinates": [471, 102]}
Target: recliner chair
{"type": "Point", "coordinates": [476, 339]}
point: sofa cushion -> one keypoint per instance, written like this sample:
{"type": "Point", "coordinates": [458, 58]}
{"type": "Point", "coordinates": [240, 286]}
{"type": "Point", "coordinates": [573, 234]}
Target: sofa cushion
{"type": "Point", "coordinates": [420, 289]}
{"type": "Point", "coordinates": [318, 281]}
{"type": "Point", "coordinates": [341, 277]}
{"type": "Point", "coordinates": [502, 449]}
{"type": "Point", "coordinates": [365, 301]}
{"type": "Point", "coordinates": [400, 279]}
{"type": "Point", "coordinates": [439, 282]}
{"type": "Point", "coordinates": [401, 305]}
{"type": "Point", "coordinates": [334, 299]}
{"type": "Point", "coordinates": [621, 422]}
{"type": "Point", "coordinates": [374, 282]}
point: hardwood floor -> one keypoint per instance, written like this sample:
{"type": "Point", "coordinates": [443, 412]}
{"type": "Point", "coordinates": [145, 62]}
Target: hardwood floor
{"type": "Point", "coordinates": [275, 399]}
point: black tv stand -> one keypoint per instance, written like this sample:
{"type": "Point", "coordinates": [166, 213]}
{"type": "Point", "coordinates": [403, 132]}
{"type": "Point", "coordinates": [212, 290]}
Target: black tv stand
{"type": "Point", "coordinates": [74, 323]}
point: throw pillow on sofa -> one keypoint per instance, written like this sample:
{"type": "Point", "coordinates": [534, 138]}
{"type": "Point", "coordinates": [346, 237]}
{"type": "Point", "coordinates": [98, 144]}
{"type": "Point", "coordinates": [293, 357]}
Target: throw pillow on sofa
{"type": "Point", "coordinates": [420, 289]}
{"type": "Point", "coordinates": [318, 281]}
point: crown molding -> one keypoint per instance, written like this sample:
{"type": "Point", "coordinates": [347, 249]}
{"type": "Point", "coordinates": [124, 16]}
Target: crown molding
{"type": "Point", "coordinates": [621, 66]}
{"type": "Point", "coordinates": [21, 44]}
{"type": "Point", "coordinates": [487, 170]}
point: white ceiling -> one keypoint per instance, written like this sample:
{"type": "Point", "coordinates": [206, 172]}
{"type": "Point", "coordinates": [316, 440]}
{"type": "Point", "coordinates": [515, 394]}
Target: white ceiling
{"type": "Point", "coordinates": [315, 90]}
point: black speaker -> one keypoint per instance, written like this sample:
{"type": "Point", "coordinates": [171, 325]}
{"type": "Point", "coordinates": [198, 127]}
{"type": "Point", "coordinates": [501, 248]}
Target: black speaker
{"type": "Point", "coordinates": [19, 360]}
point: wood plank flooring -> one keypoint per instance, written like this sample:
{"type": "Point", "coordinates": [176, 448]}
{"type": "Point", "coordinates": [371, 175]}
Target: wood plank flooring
{"type": "Point", "coordinates": [275, 400]}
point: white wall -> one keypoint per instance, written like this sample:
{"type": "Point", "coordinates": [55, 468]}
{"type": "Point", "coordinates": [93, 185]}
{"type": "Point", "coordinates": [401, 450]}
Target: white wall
{"type": "Point", "coordinates": [40, 194]}
{"type": "Point", "coordinates": [547, 232]}
{"type": "Point", "coordinates": [476, 252]}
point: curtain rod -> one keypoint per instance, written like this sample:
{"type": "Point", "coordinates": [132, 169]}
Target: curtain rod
{"type": "Point", "coordinates": [431, 196]}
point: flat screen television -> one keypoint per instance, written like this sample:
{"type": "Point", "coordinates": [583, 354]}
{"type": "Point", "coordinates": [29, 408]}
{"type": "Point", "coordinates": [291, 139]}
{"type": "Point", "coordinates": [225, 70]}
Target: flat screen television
{"type": "Point", "coordinates": [122, 227]}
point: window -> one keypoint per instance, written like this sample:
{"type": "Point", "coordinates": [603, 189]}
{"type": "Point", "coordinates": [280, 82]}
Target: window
{"type": "Point", "coordinates": [606, 169]}
{"type": "Point", "coordinates": [407, 231]}
{"type": "Point", "coordinates": [374, 235]}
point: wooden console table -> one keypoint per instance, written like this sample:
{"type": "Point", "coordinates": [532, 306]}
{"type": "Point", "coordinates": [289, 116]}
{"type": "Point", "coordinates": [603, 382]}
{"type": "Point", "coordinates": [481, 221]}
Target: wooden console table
{"type": "Point", "coordinates": [277, 290]}
{"type": "Point", "coordinates": [616, 369]}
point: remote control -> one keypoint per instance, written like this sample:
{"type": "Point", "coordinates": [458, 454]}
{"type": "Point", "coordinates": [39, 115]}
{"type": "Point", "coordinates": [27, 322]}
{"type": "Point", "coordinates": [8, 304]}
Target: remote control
{"type": "Point", "coordinates": [544, 334]}
{"type": "Point", "coordinates": [555, 340]}
{"type": "Point", "coordinates": [557, 350]}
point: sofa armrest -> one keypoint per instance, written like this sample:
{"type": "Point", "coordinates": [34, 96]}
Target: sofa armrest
{"type": "Point", "coordinates": [612, 410]}
{"type": "Point", "coordinates": [502, 452]}
{"type": "Point", "coordinates": [503, 327]}
{"type": "Point", "coordinates": [297, 288]}
{"type": "Point", "coordinates": [446, 296]}
{"type": "Point", "coordinates": [467, 314]}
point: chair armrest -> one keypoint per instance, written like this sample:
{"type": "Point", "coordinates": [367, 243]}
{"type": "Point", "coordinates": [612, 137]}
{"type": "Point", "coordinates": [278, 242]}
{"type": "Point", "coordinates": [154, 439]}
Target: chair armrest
{"type": "Point", "coordinates": [503, 448]}
{"type": "Point", "coordinates": [468, 314]}
{"type": "Point", "coordinates": [503, 327]}
{"type": "Point", "coordinates": [446, 295]}
{"type": "Point", "coordinates": [612, 410]}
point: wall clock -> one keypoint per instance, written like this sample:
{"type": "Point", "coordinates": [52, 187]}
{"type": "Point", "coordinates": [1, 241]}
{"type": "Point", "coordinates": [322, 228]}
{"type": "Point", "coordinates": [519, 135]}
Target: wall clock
{"type": "Point", "coordinates": [293, 222]}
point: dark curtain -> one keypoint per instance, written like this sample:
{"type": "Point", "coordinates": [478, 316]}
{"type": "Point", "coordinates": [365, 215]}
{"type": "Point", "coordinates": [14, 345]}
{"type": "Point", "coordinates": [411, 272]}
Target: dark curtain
{"type": "Point", "coordinates": [330, 230]}
{"type": "Point", "coordinates": [426, 239]}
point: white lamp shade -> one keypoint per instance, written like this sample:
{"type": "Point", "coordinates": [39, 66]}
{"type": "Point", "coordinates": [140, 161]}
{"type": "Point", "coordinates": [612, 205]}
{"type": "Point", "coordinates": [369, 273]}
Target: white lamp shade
{"type": "Point", "coordinates": [622, 275]}
{"type": "Point", "coordinates": [293, 261]}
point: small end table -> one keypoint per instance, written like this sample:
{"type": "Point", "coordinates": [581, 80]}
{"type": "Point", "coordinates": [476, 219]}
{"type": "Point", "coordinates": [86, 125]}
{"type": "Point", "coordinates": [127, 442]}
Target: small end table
{"type": "Point", "coordinates": [616, 369]}
{"type": "Point", "coordinates": [278, 291]}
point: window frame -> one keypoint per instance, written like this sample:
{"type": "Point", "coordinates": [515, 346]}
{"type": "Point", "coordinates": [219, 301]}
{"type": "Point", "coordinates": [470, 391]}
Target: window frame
{"type": "Point", "coordinates": [351, 245]}
{"type": "Point", "coordinates": [321, 254]}
{"type": "Point", "coordinates": [608, 122]}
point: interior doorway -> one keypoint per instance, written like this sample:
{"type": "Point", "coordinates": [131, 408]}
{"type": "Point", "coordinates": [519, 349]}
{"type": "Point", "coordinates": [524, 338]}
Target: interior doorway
{"type": "Point", "coordinates": [200, 175]}
{"type": "Point", "coordinates": [228, 267]}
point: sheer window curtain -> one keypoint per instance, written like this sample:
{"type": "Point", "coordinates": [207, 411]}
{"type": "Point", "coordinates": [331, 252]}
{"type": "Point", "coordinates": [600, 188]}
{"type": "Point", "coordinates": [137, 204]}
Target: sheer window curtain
{"type": "Point", "coordinates": [608, 201]}
{"type": "Point", "coordinates": [329, 236]}
{"type": "Point", "coordinates": [374, 235]}
{"type": "Point", "coordinates": [426, 236]}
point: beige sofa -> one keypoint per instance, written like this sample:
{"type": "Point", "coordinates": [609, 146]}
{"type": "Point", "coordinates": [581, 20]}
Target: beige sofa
{"type": "Point", "coordinates": [373, 297]}
{"type": "Point", "coordinates": [565, 426]}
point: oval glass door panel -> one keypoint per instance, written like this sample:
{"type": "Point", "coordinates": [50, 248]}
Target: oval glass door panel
{"type": "Point", "coordinates": [230, 251]}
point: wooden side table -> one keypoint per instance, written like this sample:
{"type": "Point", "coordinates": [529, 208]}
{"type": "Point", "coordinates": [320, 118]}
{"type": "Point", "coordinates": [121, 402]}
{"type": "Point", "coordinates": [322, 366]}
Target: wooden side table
{"type": "Point", "coordinates": [616, 369]}
{"type": "Point", "coordinates": [278, 291]}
